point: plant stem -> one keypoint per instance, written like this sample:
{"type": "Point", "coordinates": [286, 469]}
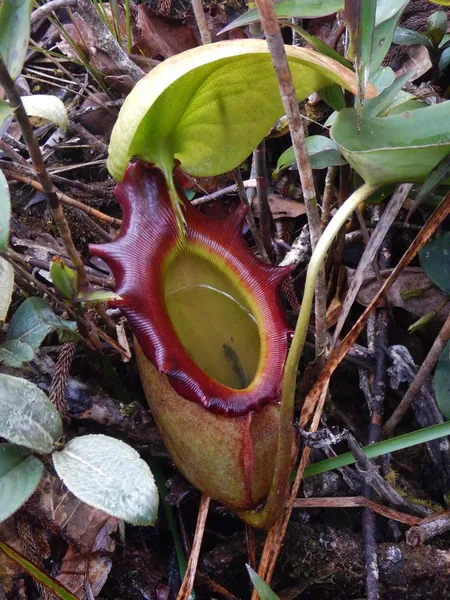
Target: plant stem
{"type": "Point", "coordinates": [106, 40]}
{"type": "Point", "coordinates": [201, 21]}
{"type": "Point", "coordinates": [250, 218]}
{"type": "Point", "coordinates": [277, 494]}
{"type": "Point", "coordinates": [41, 172]}
{"type": "Point", "coordinates": [287, 91]}
{"type": "Point", "coordinates": [265, 215]}
{"type": "Point", "coordinates": [46, 9]}
{"type": "Point", "coordinates": [128, 25]}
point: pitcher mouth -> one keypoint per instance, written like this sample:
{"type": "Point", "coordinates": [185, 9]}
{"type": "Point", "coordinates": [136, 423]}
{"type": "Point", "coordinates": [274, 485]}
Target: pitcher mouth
{"type": "Point", "coordinates": [203, 307]}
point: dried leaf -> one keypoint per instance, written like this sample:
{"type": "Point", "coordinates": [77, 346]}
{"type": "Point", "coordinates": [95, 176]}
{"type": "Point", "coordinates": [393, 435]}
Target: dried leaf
{"type": "Point", "coordinates": [156, 36]}
{"type": "Point", "coordinates": [282, 208]}
{"type": "Point", "coordinates": [412, 278]}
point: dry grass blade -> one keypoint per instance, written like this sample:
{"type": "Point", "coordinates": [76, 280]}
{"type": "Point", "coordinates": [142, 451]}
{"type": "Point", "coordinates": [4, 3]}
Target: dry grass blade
{"type": "Point", "coordinates": [356, 502]}
{"type": "Point", "coordinates": [188, 581]}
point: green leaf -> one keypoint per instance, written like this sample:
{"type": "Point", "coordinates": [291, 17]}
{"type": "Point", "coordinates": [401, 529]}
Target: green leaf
{"type": "Point", "coordinates": [318, 45]}
{"type": "Point", "coordinates": [387, 17]}
{"type": "Point", "coordinates": [435, 260]}
{"type": "Point", "coordinates": [444, 61]}
{"type": "Point", "coordinates": [382, 78]}
{"type": "Point", "coordinates": [222, 95]}
{"type": "Point", "coordinates": [109, 475]}
{"type": "Point", "coordinates": [422, 321]}
{"type": "Point", "coordinates": [432, 182]}
{"type": "Point", "coordinates": [96, 295]}
{"type": "Point", "coordinates": [264, 591]}
{"type": "Point", "coordinates": [376, 105]}
{"type": "Point", "coordinates": [322, 151]}
{"type": "Point", "coordinates": [34, 320]}
{"type": "Point", "coordinates": [14, 33]}
{"type": "Point", "coordinates": [46, 107]}
{"type": "Point", "coordinates": [306, 9]}
{"type": "Point", "coordinates": [396, 148]}
{"type": "Point", "coordinates": [52, 584]}
{"type": "Point", "coordinates": [64, 278]}
{"type": "Point", "coordinates": [5, 211]}
{"type": "Point", "coordinates": [409, 37]}
{"type": "Point", "coordinates": [360, 21]}
{"type": "Point", "coordinates": [14, 353]}
{"type": "Point", "coordinates": [5, 111]}
{"type": "Point", "coordinates": [27, 417]}
{"type": "Point", "coordinates": [333, 96]}
{"type": "Point", "coordinates": [442, 382]}
{"type": "Point", "coordinates": [437, 27]}
{"type": "Point", "coordinates": [20, 474]}
{"type": "Point", "coordinates": [6, 287]}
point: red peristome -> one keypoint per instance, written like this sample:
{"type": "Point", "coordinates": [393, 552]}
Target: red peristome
{"type": "Point", "coordinates": [149, 234]}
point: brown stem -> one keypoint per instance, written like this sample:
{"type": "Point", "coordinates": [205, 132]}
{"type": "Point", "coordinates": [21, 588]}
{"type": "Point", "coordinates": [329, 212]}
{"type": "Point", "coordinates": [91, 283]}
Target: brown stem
{"type": "Point", "coordinates": [106, 40]}
{"type": "Point", "coordinates": [188, 581]}
{"type": "Point", "coordinates": [250, 218]}
{"type": "Point", "coordinates": [287, 91]}
{"type": "Point", "coordinates": [43, 176]}
{"type": "Point", "coordinates": [328, 195]}
{"type": "Point", "coordinates": [265, 216]}
{"type": "Point", "coordinates": [89, 138]}
{"type": "Point", "coordinates": [45, 10]}
{"type": "Point", "coordinates": [422, 374]}
{"type": "Point", "coordinates": [201, 21]}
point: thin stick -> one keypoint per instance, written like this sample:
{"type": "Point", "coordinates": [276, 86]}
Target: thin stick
{"type": "Point", "coordinates": [39, 166]}
{"type": "Point", "coordinates": [201, 21]}
{"type": "Point", "coordinates": [46, 9]}
{"type": "Point", "coordinates": [189, 576]}
{"type": "Point", "coordinates": [230, 189]}
{"type": "Point", "coordinates": [106, 40]}
{"type": "Point", "coordinates": [422, 374]}
{"type": "Point", "coordinates": [287, 91]}
{"type": "Point", "coordinates": [355, 502]}
{"type": "Point", "coordinates": [65, 199]}
{"type": "Point", "coordinates": [265, 216]}
{"type": "Point", "coordinates": [250, 218]}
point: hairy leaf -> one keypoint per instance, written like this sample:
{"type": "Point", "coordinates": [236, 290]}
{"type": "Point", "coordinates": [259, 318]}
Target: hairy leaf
{"type": "Point", "coordinates": [27, 417]}
{"type": "Point", "coordinates": [20, 474]}
{"type": "Point", "coordinates": [6, 287]}
{"type": "Point", "coordinates": [34, 320]}
{"type": "Point", "coordinates": [108, 474]}
{"type": "Point", "coordinates": [14, 353]}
